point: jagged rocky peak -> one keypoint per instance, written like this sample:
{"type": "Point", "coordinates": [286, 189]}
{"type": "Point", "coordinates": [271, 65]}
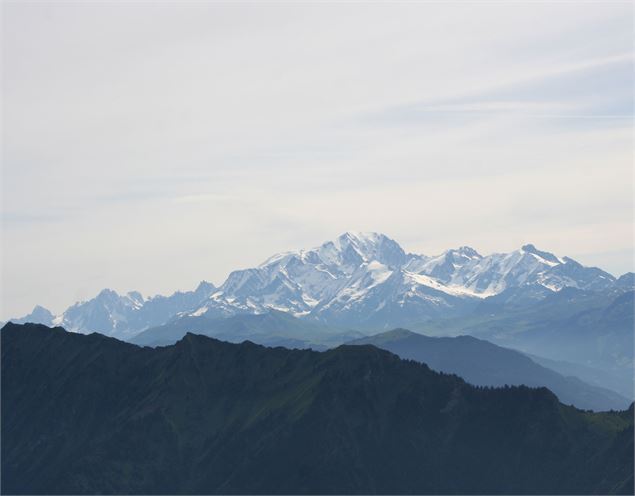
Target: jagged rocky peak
{"type": "Point", "coordinates": [470, 252]}
{"type": "Point", "coordinates": [39, 315]}
{"type": "Point", "coordinates": [545, 255]}
{"type": "Point", "coordinates": [465, 252]}
{"type": "Point", "coordinates": [363, 247]}
{"type": "Point", "coordinates": [626, 280]}
{"type": "Point", "coordinates": [446, 265]}
{"type": "Point", "coordinates": [107, 293]}
{"type": "Point", "coordinates": [205, 286]}
{"type": "Point", "coordinates": [111, 297]}
{"type": "Point", "coordinates": [348, 251]}
{"type": "Point", "coordinates": [135, 296]}
{"type": "Point", "coordinates": [40, 310]}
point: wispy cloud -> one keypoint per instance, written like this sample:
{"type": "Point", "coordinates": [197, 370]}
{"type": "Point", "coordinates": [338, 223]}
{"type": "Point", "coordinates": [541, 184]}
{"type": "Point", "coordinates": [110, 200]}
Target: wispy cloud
{"type": "Point", "coordinates": [600, 88]}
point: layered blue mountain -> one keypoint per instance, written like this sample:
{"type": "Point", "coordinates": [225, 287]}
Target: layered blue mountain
{"type": "Point", "coordinates": [88, 414]}
{"type": "Point", "coordinates": [477, 361]}
{"type": "Point", "coordinates": [573, 331]}
{"type": "Point", "coordinates": [484, 364]}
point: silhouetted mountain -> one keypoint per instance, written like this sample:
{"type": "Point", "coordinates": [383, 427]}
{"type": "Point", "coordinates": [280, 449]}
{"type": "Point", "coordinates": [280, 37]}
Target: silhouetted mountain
{"type": "Point", "coordinates": [484, 364]}
{"type": "Point", "coordinates": [90, 414]}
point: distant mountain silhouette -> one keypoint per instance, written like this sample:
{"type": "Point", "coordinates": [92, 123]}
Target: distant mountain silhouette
{"type": "Point", "coordinates": [484, 364]}
{"type": "Point", "coordinates": [90, 414]}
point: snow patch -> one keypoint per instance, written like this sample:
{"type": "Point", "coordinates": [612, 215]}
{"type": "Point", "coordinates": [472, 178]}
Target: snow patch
{"type": "Point", "coordinates": [200, 311]}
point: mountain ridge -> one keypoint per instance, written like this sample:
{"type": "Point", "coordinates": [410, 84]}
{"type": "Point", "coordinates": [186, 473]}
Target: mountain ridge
{"type": "Point", "coordinates": [365, 280]}
{"type": "Point", "coordinates": [208, 417]}
{"type": "Point", "coordinates": [482, 363]}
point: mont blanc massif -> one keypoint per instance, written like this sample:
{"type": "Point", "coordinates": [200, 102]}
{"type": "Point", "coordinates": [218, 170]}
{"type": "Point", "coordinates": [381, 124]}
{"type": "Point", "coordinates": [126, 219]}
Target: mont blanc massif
{"type": "Point", "coordinates": [353, 367]}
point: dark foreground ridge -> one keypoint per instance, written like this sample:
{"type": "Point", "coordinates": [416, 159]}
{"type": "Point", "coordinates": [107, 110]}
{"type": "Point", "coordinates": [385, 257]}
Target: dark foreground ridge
{"type": "Point", "coordinates": [90, 414]}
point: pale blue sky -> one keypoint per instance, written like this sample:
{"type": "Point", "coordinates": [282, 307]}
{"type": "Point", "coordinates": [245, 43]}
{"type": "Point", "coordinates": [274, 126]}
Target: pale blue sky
{"type": "Point", "coordinates": [151, 145]}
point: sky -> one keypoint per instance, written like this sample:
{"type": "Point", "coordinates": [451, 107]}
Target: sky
{"type": "Point", "coordinates": [151, 145]}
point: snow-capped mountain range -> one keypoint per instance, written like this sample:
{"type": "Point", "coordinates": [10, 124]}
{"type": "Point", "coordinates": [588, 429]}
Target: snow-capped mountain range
{"type": "Point", "coordinates": [359, 280]}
